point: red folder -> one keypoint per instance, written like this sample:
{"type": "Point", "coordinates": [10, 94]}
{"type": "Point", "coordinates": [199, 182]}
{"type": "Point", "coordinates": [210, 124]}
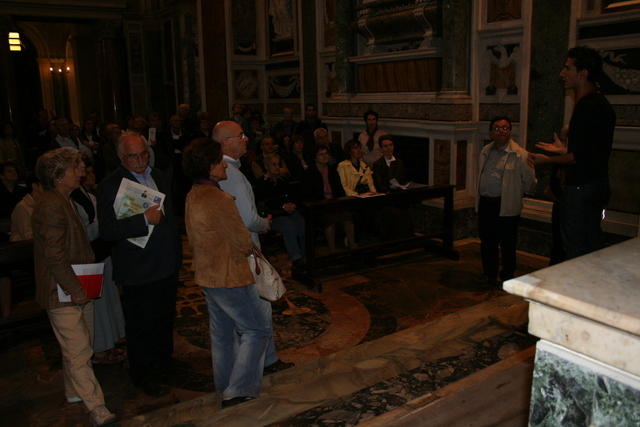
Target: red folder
{"type": "Point", "coordinates": [92, 284]}
{"type": "Point", "coordinates": [90, 277]}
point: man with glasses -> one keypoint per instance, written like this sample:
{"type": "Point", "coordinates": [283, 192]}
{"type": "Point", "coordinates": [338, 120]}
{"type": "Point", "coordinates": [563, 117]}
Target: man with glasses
{"type": "Point", "coordinates": [234, 145]}
{"type": "Point", "coordinates": [504, 176]}
{"type": "Point", "coordinates": [147, 275]}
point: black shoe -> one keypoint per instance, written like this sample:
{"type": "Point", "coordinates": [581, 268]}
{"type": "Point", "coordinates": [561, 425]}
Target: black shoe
{"type": "Point", "coordinates": [279, 365]}
{"type": "Point", "coordinates": [153, 388]}
{"type": "Point", "coordinates": [235, 401]}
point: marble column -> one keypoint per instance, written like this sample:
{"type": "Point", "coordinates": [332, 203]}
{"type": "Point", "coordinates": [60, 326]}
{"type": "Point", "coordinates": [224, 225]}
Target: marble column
{"type": "Point", "coordinates": [112, 75]}
{"type": "Point", "coordinates": [549, 40]}
{"type": "Point", "coordinates": [456, 24]}
{"type": "Point", "coordinates": [310, 89]}
{"type": "Point", "coordinates": [214, 36]}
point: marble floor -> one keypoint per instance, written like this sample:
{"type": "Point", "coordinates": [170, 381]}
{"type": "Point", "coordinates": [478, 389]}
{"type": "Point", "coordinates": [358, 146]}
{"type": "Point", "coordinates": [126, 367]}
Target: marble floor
{"type": "Point", "coordinates": [355, 308]}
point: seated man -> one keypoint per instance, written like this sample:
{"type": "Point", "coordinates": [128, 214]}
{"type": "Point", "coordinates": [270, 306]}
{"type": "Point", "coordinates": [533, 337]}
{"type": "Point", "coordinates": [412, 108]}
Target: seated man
{"type": "Point", "coordinates": [277, 196]}
{"type": "Point", "coordinates": [388, 167]}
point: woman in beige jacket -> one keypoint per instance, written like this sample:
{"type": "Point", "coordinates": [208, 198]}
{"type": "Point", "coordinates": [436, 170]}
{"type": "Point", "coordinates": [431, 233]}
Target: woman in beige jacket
{"type": "Point", "coordinates": [221, 244]}
{"type": "Point", "coordinates": [59, 240]}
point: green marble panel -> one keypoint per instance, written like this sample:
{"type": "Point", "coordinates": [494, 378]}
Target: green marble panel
{"type": "Point", "coordinates": [567, 394]}
{"type": "Point", "coordinates": [549, 45]}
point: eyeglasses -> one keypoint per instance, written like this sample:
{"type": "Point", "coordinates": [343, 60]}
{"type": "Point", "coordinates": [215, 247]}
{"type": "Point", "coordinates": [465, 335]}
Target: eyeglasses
{"type": "Point", "coordinates": [137, 156]}
{"type": "Point", "coordinates": [501, 128]}
{"type": "Point", "coordinates": [241, 136]}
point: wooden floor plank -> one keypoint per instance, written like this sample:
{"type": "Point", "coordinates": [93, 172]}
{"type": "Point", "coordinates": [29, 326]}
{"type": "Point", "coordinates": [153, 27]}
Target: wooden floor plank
{"type": "Point", "coordinates": [496, 396]}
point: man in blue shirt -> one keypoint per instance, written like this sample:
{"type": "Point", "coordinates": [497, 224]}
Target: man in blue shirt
{"type": "Point", "coordinates": [234, 144]}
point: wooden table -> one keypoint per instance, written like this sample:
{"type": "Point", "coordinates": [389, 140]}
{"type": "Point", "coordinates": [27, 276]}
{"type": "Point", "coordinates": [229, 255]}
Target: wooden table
{"type": "Point", "coordinates": [316, 209]}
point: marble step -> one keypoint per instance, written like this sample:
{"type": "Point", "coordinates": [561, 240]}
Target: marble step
{"type": "Point", "coordinates": [330, 378]}
{"type": "Point", "coordinates": [495, 396]}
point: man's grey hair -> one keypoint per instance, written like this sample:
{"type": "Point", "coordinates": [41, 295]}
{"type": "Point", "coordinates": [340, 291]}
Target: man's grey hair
{"type": "Point", "coordinates": [127, 135]}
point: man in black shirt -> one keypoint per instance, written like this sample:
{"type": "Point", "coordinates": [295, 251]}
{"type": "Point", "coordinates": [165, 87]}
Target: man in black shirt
{"type": "Point", "coordinates": [586, 156]}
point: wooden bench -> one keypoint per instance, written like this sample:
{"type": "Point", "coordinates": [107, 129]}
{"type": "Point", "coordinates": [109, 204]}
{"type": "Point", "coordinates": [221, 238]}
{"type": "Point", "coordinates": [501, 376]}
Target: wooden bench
{"type": "Point", "coordinates": [314, 210]}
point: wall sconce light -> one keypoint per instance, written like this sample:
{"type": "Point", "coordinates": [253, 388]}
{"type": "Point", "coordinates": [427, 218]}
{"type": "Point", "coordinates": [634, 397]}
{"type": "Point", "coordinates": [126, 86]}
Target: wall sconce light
{"type": "Point", "coordinates": [59, 67]}
{"type": "Point", "coordinates": [15, 45]}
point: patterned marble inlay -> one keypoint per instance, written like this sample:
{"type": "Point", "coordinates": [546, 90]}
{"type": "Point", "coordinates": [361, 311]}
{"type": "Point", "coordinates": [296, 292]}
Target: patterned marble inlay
{"type": "Point", "coordinates": [489, 111]}
{"type": "Point", "coordinates": [436, 112]}
{"type": "Point", "coordinates": [568, 394]}
{"type": "Point", "coordinates": [627, 115]}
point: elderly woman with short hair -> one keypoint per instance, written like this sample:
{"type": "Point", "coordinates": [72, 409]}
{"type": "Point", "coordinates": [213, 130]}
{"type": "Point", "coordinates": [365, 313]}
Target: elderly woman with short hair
{"type": "Point", "coordinates": [59, 240]}
{"type": "Point", "coordinates": [221, 243]}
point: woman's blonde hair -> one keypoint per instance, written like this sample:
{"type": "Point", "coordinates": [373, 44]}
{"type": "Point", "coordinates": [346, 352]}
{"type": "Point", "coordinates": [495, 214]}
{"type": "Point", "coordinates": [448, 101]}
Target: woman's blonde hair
{"type": "Point", "coordinates": [53, 164]}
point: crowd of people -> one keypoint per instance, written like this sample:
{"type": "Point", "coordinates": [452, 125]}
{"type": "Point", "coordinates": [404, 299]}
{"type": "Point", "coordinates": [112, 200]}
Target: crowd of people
{"type": "Point", "coordinates": [231, 182]}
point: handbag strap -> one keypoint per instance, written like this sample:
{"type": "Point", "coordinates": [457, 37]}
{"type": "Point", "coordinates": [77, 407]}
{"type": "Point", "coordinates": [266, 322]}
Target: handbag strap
{"type": "Point", "coordinates": [257, 253]}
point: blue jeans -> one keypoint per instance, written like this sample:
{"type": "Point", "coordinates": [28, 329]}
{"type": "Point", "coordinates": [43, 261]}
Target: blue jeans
{"type": "Point", "coordinates": [241, 330]}
{"type": "Point", "coordinates": [293, 229]}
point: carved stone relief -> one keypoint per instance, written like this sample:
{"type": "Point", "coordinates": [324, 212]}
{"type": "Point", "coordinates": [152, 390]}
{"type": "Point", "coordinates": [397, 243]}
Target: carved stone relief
{"type": "Point", "coordinates": [503, 60]}
{"type": "Point", "coordinates": [622, 69]}
{"type": "Point", "coordinates": [282, 27]}
{"type": "Point", "coordinates": [284, 86]}
{"type": "Point", "coordinates": [332, 83]}
{"type": "Point", "coordinates": [394, 25]}
{"type": "Point", "coordinates": [246, 84]}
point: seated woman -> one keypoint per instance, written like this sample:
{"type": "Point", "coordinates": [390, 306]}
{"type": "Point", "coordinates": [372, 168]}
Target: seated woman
{"type": "Point", "coordinates": [267, 148]}
{"type": "Point", "coordinates": [11, 190]}
{"type": "Point", "coordinates": [355, 174]}
{"type": "Point", "coordinates": [22, 213]}
{"type": "Point", "coordinates": [277, 195]}
{"type": "Point", "coordinates": [59, 240]}
{"type": "Point", "coordinates": [322, 182]}
{"type": "Point", "coordinates": [239, 321]}
{"type": "Point", "coordinates": [297, 161]}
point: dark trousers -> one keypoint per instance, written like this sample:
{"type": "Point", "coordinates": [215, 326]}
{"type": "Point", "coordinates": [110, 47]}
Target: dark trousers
{"type": "Point", "coordinates": [580, 217]}
{"type": "Point", "coordinates": [557, 248]}
{"type": "Point", "coordinates": [497, 232]}
{"type": "Point", "coordinates": [149, 312]}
